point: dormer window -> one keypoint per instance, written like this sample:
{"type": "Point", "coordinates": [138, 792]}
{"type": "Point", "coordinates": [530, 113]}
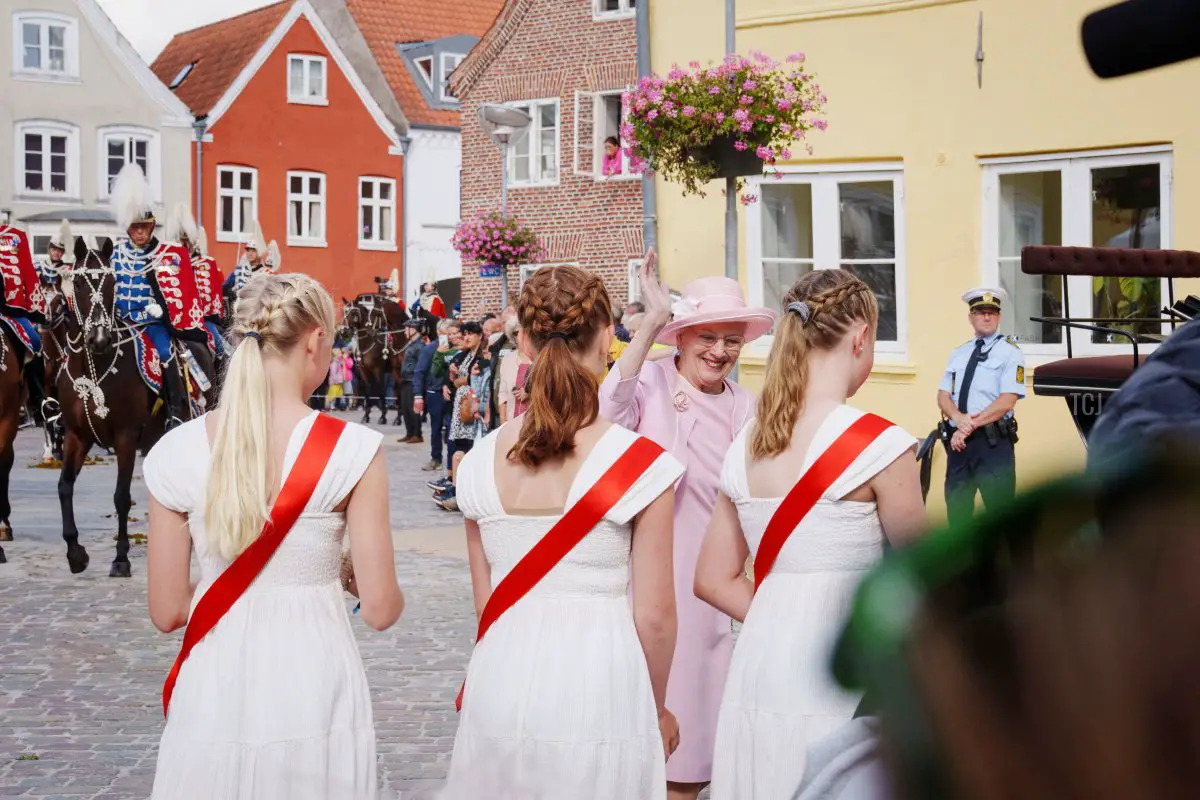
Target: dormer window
{"type": "Point", "coordinates": [425, 68]}
{"type": "Point", "coordinates": [450, 62]}
{"type": "Point", "coordinates": [45, 46]}
{"type": "Point", "coordinates": [182, 75]}
{"type": "Point", "coordinates": [306, 80]}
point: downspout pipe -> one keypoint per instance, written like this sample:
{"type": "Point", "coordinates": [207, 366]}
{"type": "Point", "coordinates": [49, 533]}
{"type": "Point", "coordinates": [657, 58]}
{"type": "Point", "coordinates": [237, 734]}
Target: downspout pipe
{"type": "Point", "coordinates": [406, 143]}
{"type": "Point", "coordinates": [200, 126]}
{"type": "Point", "coordinates": [649, 198]}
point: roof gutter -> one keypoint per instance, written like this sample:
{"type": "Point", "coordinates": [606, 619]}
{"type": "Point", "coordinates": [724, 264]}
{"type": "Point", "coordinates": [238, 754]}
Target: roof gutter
{"type": "Point", "coordinates": [649, 199]}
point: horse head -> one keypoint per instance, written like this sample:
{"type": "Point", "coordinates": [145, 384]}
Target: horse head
{"type": "Point", "coordinates": [89, 289]}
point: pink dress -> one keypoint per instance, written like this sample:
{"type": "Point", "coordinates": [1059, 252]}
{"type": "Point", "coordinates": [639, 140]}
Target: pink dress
{"type": "Point", "coordinates": [697, 429]}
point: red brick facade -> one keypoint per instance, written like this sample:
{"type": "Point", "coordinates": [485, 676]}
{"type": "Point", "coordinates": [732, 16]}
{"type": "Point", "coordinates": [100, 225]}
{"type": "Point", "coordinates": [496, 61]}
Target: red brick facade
{"type": "Point", "coordinates": [540, 49]}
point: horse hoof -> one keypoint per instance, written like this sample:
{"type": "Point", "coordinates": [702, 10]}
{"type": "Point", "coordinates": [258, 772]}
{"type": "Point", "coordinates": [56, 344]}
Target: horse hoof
{"type": "Point", "coordinates": [5, 532]}
{"type": "Point", "coordinates": [77, 558]}
{"type": "Point", "coordinates": [120, 569]}
{"type": "Point", "coordinates": [3, 560]}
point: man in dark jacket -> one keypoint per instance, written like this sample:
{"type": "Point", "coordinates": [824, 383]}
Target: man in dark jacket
{"type": "Point", "coordinates": [412, 355]}
{"type": "Point", "coordinates": [1161, 398]}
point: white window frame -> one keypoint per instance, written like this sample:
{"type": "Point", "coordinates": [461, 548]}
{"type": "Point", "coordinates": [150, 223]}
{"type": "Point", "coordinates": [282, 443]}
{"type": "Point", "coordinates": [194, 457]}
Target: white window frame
{"type": "Point", "coordinates": [429, 79]}
{"type": "Point", "coordinates": [527, 270]}
{"type": "Point", "coordinates": [304, 98]}
{"type": "Point", "coordinates": [128, 133]}
{"type": "Point", "coordinates": [1075, 168]}
{"type": "Point", "coordinates": [46, 19]}
{"type": "Point", "coordinates": [307, 199]}
{"type": "Point", "coordinates": [379, 209]}
{"type": "Point", "coordinates": [531, 107]}
{"type": "Point", "coordinates": [826, 227]}
{"type": "Point", "coordinates": [634, 294]}
{"type": "Point", "coordinates": [444, 74]}
{"type": "Point", "coordinates": [626, 9]}
{"type": "Point", "coordinates": [47, 128]}
{"type": "Point", "coordinates": [237, 193]}
{"type": "Point", "coordinates": [598, 140]}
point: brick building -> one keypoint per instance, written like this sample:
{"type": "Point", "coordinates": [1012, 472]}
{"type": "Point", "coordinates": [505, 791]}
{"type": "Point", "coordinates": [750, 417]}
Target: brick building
{"type": "Point", "coordinates": [293, 139]}
{"type": "Point", "coordinates": [566, 62]}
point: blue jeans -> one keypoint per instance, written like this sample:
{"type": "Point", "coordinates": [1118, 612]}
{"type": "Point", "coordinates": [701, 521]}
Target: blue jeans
{"type": "Point", "coordinates": [439, 423]}
{"type": "Point", "coordinates": [157, 332]}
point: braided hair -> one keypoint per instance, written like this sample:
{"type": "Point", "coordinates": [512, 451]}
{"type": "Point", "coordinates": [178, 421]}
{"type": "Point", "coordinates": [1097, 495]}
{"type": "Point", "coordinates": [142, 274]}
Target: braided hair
{"type": "Point", "coordinates": [819, 309]}
{"type": "Point", "coordinates": [562, 310]}
{"type": "Point", "coordinates": [273, 314]}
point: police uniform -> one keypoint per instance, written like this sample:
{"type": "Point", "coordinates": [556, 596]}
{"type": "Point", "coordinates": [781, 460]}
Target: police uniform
{"type": "Point", "coordinates": [984, 368]}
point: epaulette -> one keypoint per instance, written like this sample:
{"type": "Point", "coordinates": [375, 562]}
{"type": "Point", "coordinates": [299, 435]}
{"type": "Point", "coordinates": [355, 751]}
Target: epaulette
{"type": "Point", "coordinates": [1013, 341]}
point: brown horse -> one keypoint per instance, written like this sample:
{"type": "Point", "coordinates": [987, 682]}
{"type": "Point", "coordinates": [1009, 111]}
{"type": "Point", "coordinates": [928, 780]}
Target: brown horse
{"type": "Point", "coordinates": [376, 326]}
{"type": "Point", "coordinates": [104, 400]}
{"type": "Point", "coordinates": [11, 383]}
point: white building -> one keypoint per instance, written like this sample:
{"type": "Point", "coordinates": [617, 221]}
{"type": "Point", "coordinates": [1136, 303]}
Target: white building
{"type": "Point", "coordinates": [78, 104]}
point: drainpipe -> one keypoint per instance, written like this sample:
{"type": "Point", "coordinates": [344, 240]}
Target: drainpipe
{"type": "Point", "coordinates": [649, 200]}
{"type": "Point", "coordinates": [200, 126]}
{"type": "Point", "coordinates": [405, 148]}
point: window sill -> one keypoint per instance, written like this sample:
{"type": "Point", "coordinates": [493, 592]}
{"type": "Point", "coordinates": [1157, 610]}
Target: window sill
{"type": "Point", "coordinates": [47, 77]}
{"type": "Point", "coordinates": [231, 238]}
{"type": "Point", "coordinates": [610, 16]}
{"type": "Point", "coordinates": [308, 101]}
{"type": "Point", "coordinates": [539, 185]}
{"type": "Point", "coordinates": [307, 242]}
{"type": "Point", "coordinates": [48, 199]}
{"type": "Point", "coordinates": [384, 247]}
{"type": "Point", "coordinates": [619, 177]}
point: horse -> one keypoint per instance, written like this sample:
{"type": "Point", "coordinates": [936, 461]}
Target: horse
{"type": "Point", "coordinates": [11, 386]}
{"type": "Point", "coordinates": [375, 324]}
{"type": "Point", "coordinates": [103, 398]}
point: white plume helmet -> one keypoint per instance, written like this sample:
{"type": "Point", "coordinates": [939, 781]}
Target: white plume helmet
{"type": "Point", "coordinates": [394, 279]}
{"type": "Point", "coordinates": [131, 199]}
{"type": "Point", "coordinates": [181, 224]}
{"type": "Point", "coordinates": [63, 238]}
{"type": "Point", "coordinates": [274, 257]}
{"type": "Point", "coordinates": [201, 242]}
{"type": "Point", "coordinates": [256, 241]}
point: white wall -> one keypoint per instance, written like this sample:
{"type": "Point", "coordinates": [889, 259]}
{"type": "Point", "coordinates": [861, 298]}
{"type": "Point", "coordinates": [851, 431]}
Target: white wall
{"type": "Point", "coordinates": [431, 207]}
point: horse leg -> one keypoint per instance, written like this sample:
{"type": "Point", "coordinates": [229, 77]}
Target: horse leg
{"type": "Point", "coordinates": [126, 447]}
{"type": "Point", "coordinates": [383, 409]}
{"type": "Point", "coordinates": [74, 450]}
{"type": "Point", "coordinates": [8, 432]}
{"type": "Point", "coordinates": [364, 384]}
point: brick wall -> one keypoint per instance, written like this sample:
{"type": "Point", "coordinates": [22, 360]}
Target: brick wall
{"type": "Point", "coordinates": [556, 49]}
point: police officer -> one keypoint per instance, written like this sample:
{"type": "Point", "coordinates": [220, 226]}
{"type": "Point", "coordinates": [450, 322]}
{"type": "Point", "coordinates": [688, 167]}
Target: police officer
{"type": "Point", "coordinates": [983, 381]}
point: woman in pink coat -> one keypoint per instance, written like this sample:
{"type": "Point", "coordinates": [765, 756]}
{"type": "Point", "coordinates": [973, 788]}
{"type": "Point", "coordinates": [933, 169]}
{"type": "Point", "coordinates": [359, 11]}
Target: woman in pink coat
{"type": "Point", "coordinates": [689, 407]}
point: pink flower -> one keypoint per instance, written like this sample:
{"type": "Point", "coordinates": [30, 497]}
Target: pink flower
{"type": "Point", "coordinates": [820, 124]}
{"type": "Point", "coordinates": [748, 199]}
{"type": "Point", "coordinates": [714, 90]}
{"type": "Point", "coordinates": [764, 152]}
{"type": "Point", "coordinates": [769, 118]}
{"type": "Point", "coordinates": [739, 145]}
{"type": "Point", "coordinates": [795, 58]}
{"type": "Point", "coordinates": [747, 126]}
{"type": "Point", "coordinates": [741, 115]}
{"type": "Point", "coordinates": [653, 115]}
{"type": "Point", "coordinates": [689, 111]}
{"type": "Point", "coordinates": [749, 85]}
{"type": "Point", "coordinates": [785, 128]}
{"type": "Point", "coordinates": [746, 100]}
{"type": "Point", "coordinates": [694, 64]}
{"type": "Point", "coordinates": [720, 116]}
{"type": "Point", "coordinates": [783, 105]}
{"type": "Point", "coordinates": [785, 153]}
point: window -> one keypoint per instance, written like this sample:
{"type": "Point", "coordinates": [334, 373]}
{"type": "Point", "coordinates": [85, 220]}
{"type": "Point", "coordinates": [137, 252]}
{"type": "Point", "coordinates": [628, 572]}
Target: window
{"type": "Point", "coordinates": [237, 202]}
{"type": "Point", "coordinates": [609, 117]}
{"type": "Point", "coordinates": [47, 160]}
{"type": "Point", "coordinates": [120, 146]}
{"type": "Point", "coordinates": [306, 80]}
{"type": "Point", "coordinates": [450, 62]}
{"type": "Point", "coordinates": [1103, 199]}
{"type": "Point", "coordinates": [425, 67]}
{"type": "Point", "coordinates": [45, 46]}
{"type": "Point", "coordinates": [635, 286]}
{"type": "Point", "coordinates": [306, 209]}
{"type": "Point", "coordinates": [849, 218]}
{"type": "Point", "coordinates": [533, 159]}
{"type": "Point", "coordinates": [377, 214]}
{"type": "Point", "coordinates": [615, 8]}
{"type": "Point", "coordinates": [181, 76]}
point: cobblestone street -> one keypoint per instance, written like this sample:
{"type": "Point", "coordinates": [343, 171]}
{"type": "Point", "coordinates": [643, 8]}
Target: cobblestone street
{"type": "Point", "coordinates": [81, 666]}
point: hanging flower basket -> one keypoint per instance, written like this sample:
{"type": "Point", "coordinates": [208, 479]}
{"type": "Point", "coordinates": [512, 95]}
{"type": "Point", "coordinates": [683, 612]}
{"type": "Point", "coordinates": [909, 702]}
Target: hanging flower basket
{"type": "Point", "coordinates": [726, 121]}
{"type": "Point", "coordinates": [493, 239]}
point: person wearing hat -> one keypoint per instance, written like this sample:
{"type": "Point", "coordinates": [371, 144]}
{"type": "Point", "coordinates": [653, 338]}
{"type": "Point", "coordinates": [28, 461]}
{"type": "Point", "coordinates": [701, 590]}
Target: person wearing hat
{"type": "Point", "coordinates": [253, 251]}
{"type": "Point", "coordinates": [415, 341]}
{"type": "Point", "coordinates": [688, 405]}
{"type": "Point", "coordinates": [60, 243]}
{"type": "Point", "coordinates": [983, 382]}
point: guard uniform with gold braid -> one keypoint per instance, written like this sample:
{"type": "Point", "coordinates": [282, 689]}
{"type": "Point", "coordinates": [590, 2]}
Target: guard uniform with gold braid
{"type": "Point", "coordinates": [979, 371]}
{"type": "Point", "coordinates": [24, 301]}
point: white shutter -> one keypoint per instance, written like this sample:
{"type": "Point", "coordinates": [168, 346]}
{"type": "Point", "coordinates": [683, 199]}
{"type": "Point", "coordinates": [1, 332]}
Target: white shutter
{"type": "Point", "coordinates": [583, 161]}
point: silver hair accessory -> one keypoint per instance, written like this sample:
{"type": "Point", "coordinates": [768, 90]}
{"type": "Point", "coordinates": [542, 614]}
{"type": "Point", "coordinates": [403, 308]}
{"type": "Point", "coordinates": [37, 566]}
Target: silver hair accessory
{"type": "Point", "coordinates": [802, 310]}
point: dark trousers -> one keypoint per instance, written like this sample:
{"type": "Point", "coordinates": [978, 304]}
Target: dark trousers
{"type": "Point", "coordinates": [989, 470]}
{"type": "Point", "coordinates": [412, 420]}
{"type": "Point", "coordinates": [439, 423]}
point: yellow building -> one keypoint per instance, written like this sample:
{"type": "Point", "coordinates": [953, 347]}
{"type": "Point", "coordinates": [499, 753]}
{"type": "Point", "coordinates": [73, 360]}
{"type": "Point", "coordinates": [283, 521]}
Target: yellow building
{"type": "Point", "coordinates": [936, 168]}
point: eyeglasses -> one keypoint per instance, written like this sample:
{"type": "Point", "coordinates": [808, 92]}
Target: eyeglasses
{"type": "Point", "coordinates": [709, 341]}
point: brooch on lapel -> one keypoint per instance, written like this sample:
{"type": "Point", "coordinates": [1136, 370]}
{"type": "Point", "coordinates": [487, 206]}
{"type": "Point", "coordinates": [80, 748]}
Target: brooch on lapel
{"type": "Point", "coordinates": [681, 401]}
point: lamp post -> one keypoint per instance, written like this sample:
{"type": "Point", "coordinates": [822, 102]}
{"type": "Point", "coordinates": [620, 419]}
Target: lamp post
{"type": "Point", "coordinates": [506, 125]}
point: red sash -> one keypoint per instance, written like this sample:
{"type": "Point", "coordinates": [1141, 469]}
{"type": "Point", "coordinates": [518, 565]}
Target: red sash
{"type": "Point", "coordinates": [237, 577]}
{"type": "Point", "coordinates": [566, 533]}
{"type": "Point", "coordinates": [828, 467]}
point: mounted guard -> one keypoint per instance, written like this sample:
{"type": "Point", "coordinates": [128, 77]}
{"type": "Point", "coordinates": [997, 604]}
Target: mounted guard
{"type": "Point", "coordinates": [155, 285]}
{"type": "Point", "coordinates": [24, 303]}
{"type": "Point", "coordinates": [50, 267]}
{"type": "Point", "coordinates": [429, 305]}
{"type": "Point", "coordinates": [209, 279]}
{"type": "Point", "coordinates": [253, 250]}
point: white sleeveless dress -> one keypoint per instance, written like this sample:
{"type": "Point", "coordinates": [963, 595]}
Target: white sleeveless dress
{"type": "Point", "coordinates": [558, 703]}
{"type": "Point", "coordinates": [780, 696]}
{"type": "Point", "coordinates": [273, 703]}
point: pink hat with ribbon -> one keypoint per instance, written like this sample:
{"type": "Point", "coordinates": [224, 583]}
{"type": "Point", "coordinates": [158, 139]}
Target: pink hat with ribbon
{"type": "Point", "coordinates": [711, 301]}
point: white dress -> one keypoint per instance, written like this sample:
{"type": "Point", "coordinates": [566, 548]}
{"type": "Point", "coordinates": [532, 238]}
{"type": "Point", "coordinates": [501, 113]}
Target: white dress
{"type": "Point", "coordinates": [558, 703]}
{"type": "Point", "coordinates": [780, 696]}
{"type": "Point", "coordinates": [273, 703]}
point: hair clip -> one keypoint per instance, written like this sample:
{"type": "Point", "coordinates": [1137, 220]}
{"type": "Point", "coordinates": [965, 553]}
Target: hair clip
{"type": "Point", "coordinates": [802, 310]}
{"type": "Point", "coordinates": [255, 335]}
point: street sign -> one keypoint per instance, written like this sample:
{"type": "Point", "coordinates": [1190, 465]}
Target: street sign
{"type": "Point", "coordinates": [489, 271]}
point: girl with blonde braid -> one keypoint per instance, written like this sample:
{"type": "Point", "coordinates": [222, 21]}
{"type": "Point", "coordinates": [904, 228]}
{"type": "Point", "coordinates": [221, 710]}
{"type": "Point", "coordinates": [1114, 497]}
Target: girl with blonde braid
{"type": "Point", "coordinates": [779, 697]}
{"type": "Point", "coordinates": [272, 703]}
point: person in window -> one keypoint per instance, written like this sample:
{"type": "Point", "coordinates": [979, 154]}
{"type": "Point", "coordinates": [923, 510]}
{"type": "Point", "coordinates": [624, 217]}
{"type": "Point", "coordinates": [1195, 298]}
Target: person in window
{"type": "Point", "coordinates": [612, 156]}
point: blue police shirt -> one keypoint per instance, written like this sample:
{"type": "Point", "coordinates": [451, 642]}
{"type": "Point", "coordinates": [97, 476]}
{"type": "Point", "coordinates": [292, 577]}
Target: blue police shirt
{"type": "Point", "coordinates": [1001, 370]}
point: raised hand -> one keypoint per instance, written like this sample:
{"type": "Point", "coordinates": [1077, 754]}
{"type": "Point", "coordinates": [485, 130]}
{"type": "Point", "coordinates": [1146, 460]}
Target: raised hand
{"type": "Point", "coordinates": [655, 295]}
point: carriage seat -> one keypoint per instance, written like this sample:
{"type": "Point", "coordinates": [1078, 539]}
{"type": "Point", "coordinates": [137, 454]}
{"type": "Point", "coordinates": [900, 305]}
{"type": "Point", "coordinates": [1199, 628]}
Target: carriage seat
{"type": "Point", "coordinates": [1104, 374]}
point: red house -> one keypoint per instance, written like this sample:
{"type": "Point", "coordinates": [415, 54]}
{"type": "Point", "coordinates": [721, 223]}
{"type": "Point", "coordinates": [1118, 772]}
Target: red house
{"type": "Point", "coordinates": [288, 135]}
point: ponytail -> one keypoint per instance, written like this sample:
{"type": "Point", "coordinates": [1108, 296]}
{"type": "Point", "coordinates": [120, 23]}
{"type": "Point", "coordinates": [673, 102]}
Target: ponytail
{"type": "Point", "coordinates": [564, 396]}
{"type": "Point", "coordinates": [240, 482]}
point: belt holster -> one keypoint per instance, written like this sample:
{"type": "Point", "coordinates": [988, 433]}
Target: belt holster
{"type": "Point", "coordinates": [993, 438]}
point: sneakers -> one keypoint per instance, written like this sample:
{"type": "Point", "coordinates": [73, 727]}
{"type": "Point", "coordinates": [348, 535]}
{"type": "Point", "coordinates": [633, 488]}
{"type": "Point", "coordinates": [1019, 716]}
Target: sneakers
{"type": "Point", "coordinates": [440, 484]}
{"type": "Point", "coordinates": [449, 504]}
{"type": "Point", "coordinates": [432, 466]}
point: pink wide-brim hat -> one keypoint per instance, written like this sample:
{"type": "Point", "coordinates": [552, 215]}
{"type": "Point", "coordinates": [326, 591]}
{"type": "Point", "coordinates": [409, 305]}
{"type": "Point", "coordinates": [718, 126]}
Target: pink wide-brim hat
{"type": "Point", "coordinates": [714, 300]}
